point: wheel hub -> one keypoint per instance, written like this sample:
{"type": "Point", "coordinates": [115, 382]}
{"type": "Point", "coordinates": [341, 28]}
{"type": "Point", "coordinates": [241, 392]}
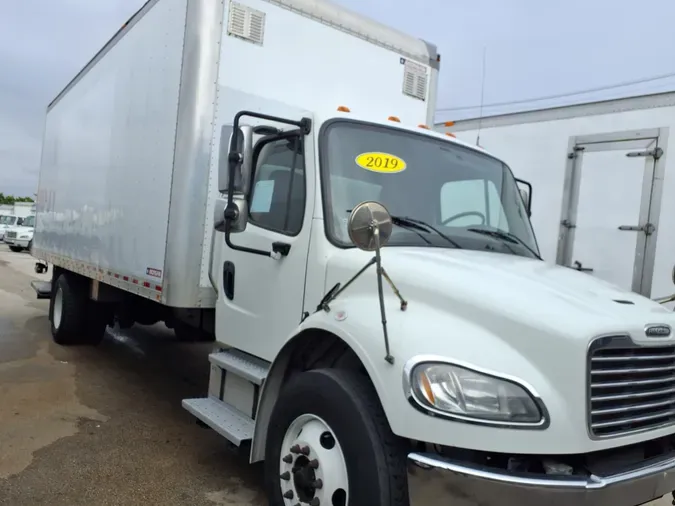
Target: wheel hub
{"type": "Point", "coordinates": [313, 469]}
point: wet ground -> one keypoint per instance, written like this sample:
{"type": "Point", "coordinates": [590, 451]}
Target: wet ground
{"type": "Point", "coordinates": [104, 426]}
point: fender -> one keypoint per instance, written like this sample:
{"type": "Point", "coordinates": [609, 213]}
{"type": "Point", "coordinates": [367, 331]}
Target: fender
{"type": "Point", "coordinates": [357, 337]}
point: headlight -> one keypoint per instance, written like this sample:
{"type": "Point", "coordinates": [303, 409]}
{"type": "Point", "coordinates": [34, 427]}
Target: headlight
{"type": "Point", "coordinates": [466, 394]}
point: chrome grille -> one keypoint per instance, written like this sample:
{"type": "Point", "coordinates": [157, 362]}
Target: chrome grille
{"type": "Point", "coordinates": [631, 388]}
{"type": "Point", "coordinates": [11, 235]}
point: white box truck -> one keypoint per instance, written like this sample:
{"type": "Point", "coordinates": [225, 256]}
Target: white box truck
{"type": "Point", "coordinates": [261, 171]}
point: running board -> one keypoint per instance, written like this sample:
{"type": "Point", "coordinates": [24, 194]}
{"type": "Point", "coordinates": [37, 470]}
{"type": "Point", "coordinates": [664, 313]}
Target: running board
{"type": "Point", "coordinates": [241, 364]}
{"type": "Point", "coordinates": [43, 289]}
{"type": "Point", "coordinates": [227, 421]}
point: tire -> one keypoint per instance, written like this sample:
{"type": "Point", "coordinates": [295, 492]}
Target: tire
{"type": "Point", "coordinates": [74, 318]}
{"type": "Point", "coordinates": [325, 411]}
{"type": "Point", "coordinates": [30, 246]}
{"type": "Point", "coordinates": [16, 249]}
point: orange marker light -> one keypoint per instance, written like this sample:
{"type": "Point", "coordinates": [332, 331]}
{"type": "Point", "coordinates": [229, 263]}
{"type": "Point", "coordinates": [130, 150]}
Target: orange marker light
{"type": "Point", "coordinates": [394, 118]}
{"type": "Point", "coordinates": [450, 135]}
{"type": "Point", "coordinates": [424, 126]}
{"type": "Point", "coordinates": [449, 123]}
{"type": "Point", "coordinates": [427, 390]}
{"type": "Point", "coordinates": [342, 108]}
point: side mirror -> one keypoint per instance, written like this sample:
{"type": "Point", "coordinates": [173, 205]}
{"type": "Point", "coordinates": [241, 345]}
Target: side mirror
{"type": "Point", "coordinates": [19, 221]}
{"type": "Point", "coordinates": [525, 190]}
{"type": "Point", "coordinates": [244, 149]}
{"type": "Point", "coordinates": [370, 226]}
{"type": "Point", "coordinates": [239, 223]}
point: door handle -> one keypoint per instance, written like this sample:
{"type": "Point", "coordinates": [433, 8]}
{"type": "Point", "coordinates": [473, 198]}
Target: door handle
{"type": "Point", "coordinates": [228, 279]}
{"type": "Point", "coordinates": [282, 248]}
{"type": "Point", "coordinates": [579, 267]}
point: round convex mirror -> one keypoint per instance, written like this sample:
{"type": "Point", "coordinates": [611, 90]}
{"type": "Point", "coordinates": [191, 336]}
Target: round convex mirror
{"type": "Point", "coordinates": [364, 219]}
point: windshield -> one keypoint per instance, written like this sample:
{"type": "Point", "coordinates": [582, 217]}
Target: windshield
{"type": "Point", "coordinates": [29, 222]}
{"type": "Point", "coordinates": [7, 220]}
{"type": "Point", "coordinates": [450, 187]}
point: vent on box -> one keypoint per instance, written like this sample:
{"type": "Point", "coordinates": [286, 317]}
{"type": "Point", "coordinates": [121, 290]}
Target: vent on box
{"type": "Point", "coordinates": [246, 23]}
{"type": "Point", "coordinates": [415, 80]}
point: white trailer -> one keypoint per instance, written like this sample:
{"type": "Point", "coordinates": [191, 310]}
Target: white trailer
{"type": "Point", "coordinates": [605, 189]}
{"type": "Point", "coordinates": [214, 167]}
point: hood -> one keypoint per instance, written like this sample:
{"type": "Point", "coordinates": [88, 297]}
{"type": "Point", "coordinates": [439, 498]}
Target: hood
{"type": "Point", "coordinates": [21, 230]}
{"type": "Point", "coordinates": [474, 284]}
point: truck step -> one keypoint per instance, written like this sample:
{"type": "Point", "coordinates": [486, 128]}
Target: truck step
{"type": "Point", "coordinates": [242, 364]}
{"type": "Point", "coordinates": [43, 289]}
{"type": "Point", "coordinates": [227, 421]}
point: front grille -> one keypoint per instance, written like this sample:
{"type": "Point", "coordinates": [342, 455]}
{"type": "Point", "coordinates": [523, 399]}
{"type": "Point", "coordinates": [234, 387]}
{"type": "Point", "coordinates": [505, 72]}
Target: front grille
{"type": "Point", "coordinates": [631, 388]}
{"type": "Point", "coordinates": [11, 235]}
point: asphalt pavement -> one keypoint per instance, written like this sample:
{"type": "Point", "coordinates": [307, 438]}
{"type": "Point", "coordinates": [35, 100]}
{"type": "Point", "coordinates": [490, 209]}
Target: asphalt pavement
{"type": "Point", "coordinates": [104, 425]}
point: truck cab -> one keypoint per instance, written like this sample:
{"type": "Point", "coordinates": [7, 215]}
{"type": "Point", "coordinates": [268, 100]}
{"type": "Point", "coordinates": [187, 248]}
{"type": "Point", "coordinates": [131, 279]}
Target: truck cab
{"type": "Point", "coordinates": [7, 221]}
{"type": "Point", "coordinates": [20, 236]}
{"type": "Point", "coordinates": [388, 332]}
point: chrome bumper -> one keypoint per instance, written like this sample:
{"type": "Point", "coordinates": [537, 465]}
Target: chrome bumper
{"type": "Point", "coordinates": [432, 480]}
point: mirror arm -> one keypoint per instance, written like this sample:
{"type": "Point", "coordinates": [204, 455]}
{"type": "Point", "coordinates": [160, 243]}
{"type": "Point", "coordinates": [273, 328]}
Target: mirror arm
{"type": "Point", "coordinates": [380, 270]}
{"type": "Point", "coordinates": [235, 159]}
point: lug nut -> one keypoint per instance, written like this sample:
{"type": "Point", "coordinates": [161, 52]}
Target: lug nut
{"type": "Point", "coordinates": [285, 476]}
{"type": "Point", "coordinates": [318, 484]}
{"type": "Point", "coordinates": [314, 464]}
{"type": "Point", "coordinates": [295, 449]}
{"type": "Point", "coordinates": [304, 450]}
{"type": "Point", "coordinates": [288, 458]}
{"type": "Point", "coordinates": [288, 494]}
{"type": "Point", "coordinates": [314, 502]}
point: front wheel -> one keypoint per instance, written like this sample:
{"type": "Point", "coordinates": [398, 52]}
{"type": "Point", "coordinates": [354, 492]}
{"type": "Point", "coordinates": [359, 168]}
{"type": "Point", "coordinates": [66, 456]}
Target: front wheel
{"type": "Point", "coordinates": [16, 249]}
{"type": "Point", "coordinates": [329, 444]}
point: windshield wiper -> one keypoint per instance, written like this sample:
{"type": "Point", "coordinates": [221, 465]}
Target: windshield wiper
{"type": "Point", "coordinates": [505, 236]}
{"type": "Point", "coordinates": [404, 221]}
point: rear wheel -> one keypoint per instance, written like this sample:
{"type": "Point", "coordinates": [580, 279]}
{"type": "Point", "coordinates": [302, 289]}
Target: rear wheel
{"type": "Point", "coordinates": [74, 318]}
{"type": "Point", "coordinates": [329, 444]}
{"type": "Point", "coordinates": [16, 249]}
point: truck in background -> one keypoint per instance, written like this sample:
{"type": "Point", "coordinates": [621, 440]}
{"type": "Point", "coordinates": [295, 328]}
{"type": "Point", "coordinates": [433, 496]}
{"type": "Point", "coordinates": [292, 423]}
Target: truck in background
{"type": "Point", "coordinates": [604, 183]}
{"type": "Point", "coordinates": [12, 215]}
{"type": "Point", "coordinates": [20, 237]}
{"type": "Point", "coordinates": [264, 172]}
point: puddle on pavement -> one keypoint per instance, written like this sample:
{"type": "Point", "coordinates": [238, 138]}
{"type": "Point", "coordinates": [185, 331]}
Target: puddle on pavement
{"type": "Point", "coordinates": [38, 401]}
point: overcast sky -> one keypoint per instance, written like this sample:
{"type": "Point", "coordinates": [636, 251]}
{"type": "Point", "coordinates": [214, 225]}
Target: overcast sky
{"type": "Point", "coordinates": [533, 48]}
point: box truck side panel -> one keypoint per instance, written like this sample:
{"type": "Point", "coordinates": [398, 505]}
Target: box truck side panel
{"type": "Point", "coordinates": [108, 154]}
{"type": "Point", "coordinates": [316, 57]}
{"type": "Point", "coordinates": [613, 189]}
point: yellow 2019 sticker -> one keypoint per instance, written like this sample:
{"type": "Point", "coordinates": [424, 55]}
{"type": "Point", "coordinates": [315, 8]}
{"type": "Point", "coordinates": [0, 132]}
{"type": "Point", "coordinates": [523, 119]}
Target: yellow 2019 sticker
{"type": "Point", "coordinates": [384, 163]}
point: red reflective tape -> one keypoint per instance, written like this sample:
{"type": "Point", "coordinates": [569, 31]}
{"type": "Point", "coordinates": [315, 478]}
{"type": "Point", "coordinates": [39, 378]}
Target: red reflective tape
{"type": "Point", "coordinates": [146, 284]}
{"type": "Point", "coordinates": [125, 278]}
{"type": "Point", "coordinates": [135, 281]}
{"type": "Point", "coordinates": [158, 288]}
{"type": "Point", "coordinates": [117, 275]}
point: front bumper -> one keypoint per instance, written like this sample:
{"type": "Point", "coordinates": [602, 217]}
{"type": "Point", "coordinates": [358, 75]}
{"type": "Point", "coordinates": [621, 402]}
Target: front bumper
{"type": "Point", "coordinates": [435, 480]}
{"type": "Point", "coordinates": [23, 243]}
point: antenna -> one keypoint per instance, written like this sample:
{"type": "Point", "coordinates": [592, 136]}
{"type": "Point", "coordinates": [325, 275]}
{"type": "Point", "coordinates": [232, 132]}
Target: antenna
{"type": "Point", "coordinates": [482, 97]}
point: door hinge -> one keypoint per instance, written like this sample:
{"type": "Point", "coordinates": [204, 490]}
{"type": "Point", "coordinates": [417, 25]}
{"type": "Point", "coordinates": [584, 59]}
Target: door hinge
{"type": "Point", "coordinates": [647, 228]}
{"type": "Point", "coordinates": [574, 154]}
{"type": "Point", "coordinates": [567, 224]}
{"type": "Point", "coordinates": [656, 153]}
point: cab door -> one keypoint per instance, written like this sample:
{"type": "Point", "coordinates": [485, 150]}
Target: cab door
{"type": "Point", "coordinates": [261, 298]}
